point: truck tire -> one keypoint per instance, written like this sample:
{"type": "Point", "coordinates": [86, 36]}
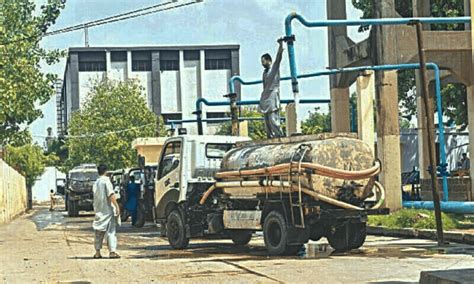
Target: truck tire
{"type": "Point", "coordinates": [339, 239]}
{"type": "Point", "coordinates": [140, 222]}
{"type": "Point", "coordinates": [241, 237]}
{"type": "Point", "coordinates": [175, 231]}
{"type": "Point", "coordinates": [358, 233]}
{"type": "Point", "coordinates": [124, 215]}
{"type": "Point", "coordinates": [275, 234]}
{"type": "Point", "coordinates": [72, 209]}
{"type": "Point", "coordinates": [66, 201]}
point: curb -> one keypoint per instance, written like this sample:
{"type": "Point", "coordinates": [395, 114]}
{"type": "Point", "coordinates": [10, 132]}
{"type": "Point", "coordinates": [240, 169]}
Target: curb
{"type": "Point", "coordinates": [450, 236]}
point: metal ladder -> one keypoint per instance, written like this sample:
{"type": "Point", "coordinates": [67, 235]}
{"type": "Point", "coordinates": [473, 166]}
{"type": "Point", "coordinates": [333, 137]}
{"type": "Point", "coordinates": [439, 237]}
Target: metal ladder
{"type": "Point", "coordinates": [299, 204]}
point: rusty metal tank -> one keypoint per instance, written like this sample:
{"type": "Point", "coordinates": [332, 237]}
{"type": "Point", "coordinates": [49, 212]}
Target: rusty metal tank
{"type": "Point", "coordinates": [338, 151]}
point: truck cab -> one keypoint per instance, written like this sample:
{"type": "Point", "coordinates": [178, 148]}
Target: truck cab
{"type": "Point", "coordinates": [187, 163]}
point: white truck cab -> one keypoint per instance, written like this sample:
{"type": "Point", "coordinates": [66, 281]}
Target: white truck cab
{"type": "Point", "coordinates": [187, 162]}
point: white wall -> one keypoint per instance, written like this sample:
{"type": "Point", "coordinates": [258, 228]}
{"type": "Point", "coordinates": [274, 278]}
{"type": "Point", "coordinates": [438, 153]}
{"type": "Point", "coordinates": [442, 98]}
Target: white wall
{"type": "Point", "coordinates": [169, 88]}
{"type": "Point", "coordinates": [144, 80]}
{"type": "Point", "coordinates": [45, 183]}
{"type": "Point", "coordinates": [215, 86]}
{"type": "Point", "coordinates": [118, 71]}
{"type": "Point", "coordinates": [190, 86]}
{"type": "Point", "coordinates": [86, 81]}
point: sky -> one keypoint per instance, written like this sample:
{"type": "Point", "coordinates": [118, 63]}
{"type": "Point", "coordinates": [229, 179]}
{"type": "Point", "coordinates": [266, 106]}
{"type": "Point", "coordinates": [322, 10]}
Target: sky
{"type": "Point", "coordinates": [253, 24]}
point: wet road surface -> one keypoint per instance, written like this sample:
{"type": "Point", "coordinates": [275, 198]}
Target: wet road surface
{"type": "Point", "coordinates": [45, 246]}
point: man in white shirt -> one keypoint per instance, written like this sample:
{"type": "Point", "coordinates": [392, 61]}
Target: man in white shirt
{"type": "Point", "coordinates": [106, 211]}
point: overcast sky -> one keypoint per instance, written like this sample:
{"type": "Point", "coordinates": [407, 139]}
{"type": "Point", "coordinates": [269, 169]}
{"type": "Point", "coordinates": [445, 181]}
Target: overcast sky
{"type": "Point", "coordinates": [253, 24]}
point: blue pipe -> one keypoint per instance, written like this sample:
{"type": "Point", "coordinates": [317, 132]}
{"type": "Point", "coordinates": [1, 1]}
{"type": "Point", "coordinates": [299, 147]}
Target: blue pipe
{"type": "Point", "coordinates": [457, 207]}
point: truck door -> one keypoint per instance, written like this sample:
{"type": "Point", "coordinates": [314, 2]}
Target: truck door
{"type": "Point", "coordinates": [168, 177]}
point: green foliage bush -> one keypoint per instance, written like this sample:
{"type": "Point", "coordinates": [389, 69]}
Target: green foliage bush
{"type": "Point", "coordinates": [413, 218]}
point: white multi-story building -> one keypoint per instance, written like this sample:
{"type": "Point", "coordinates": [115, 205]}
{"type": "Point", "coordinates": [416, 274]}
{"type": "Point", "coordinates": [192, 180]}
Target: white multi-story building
{"type": "Point", "coordinates": [173, 77]}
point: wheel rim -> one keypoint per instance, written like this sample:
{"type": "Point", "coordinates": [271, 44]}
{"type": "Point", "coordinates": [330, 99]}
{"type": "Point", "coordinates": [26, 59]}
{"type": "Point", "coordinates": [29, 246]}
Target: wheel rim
{"type": "Point", "coordinates": [173, 230]}
{"type": "Point", "coordinates": [274, 233]}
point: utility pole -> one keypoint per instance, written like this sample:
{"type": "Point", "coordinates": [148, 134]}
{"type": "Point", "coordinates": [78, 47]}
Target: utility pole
{"type": "Point", "coordinates": [430, 129]}
{"type": "Point", "coordinates": [86, 36]}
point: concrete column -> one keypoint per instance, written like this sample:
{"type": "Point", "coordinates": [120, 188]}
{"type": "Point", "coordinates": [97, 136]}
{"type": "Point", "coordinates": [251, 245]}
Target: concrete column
{"type": "Point", "coordinates": [388, 138]}
{"type": "Point", "coordinates": [423, 153]}
{"type": "Point", "coordinates": [128, 74]}
{"type": "Point", "coordinates": [422, 8]}
{"type": "Point", "coordinates": [155, 82]}
{"type": "Point", "coordinates": [290, 113]}
{"type": "Point", "coordinates": [244, 128]}
{"type": "Point", "coordinates": [340, 109]}
{"type": "Point", "coordinates": [108, 65]}
{"type": "Point", "coordinates": [470, 109]}
{"type": "Point", "coordinates": [365, 108]}
{"type": "Point", "coordinates": [74, 76]}
{"type": "Point", "coordinates": [467, 12]}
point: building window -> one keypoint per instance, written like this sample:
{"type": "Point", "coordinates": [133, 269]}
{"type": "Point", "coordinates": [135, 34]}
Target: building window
{"type": "Point", "coordinates": [169, 60]}
{"type": "Point", "coordinates": [92, 61]}
{"type": "Point", "coordinates": [92, 66]}
{"type": "Point", "coordinates": [218, 60]}
{"type": "Point", "coordinates": [141, 61]}
{"type": "Point", "coordinates": [118, 56]}
{"type": "Point", "coordinates": [169, 65]}
{"type": "Point", "coordinates": [191, 55]}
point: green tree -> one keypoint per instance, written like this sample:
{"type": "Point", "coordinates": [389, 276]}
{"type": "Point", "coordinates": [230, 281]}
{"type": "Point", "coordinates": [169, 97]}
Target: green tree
{"type": "Point", "coordinates": [256, 127]}
{"type": "Point", "coordinates": [317, 122]}
{"type": "Point", "coordinates": [23, 86]}
{"type": "Point", "coordinates": [103, 129]}
{"type": "Point", "coordinates": [58, 149]}
{"type": "Point", "coordinates": [29, 160]}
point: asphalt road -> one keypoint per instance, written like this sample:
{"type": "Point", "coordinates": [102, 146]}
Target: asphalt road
{"type": "Point", "coordinates": [44, 246]}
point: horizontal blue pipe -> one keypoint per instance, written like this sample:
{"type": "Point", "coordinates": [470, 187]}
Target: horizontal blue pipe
{"type": "Point", "coordinates": [223, 119]}
{"type": "Point", "coordinates": [255, 102]}
{"type": "Point", "coordinates": [374, 22]}
{"type": "Point", "coordinates": [457, 207]}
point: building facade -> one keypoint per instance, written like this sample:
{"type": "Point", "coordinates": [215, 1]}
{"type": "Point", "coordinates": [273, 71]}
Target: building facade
{"type": "Point", "coordinates": [173, 77]}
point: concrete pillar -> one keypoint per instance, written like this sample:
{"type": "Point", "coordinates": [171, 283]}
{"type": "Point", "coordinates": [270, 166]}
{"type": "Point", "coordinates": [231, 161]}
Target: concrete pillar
{"type": "Point", "coordinates": [156, 82]}
{"type": "Point", "coordinates": [340, 109]}
{"type": "Point", "coordinates": [467, 12]}
{"type": "Point", "coordinates": [365, 108]}
{"type": "Point", "coordinates": [128, 74]}
{"type": "Point", "coordinates": [388, 138]}
{"type": "Point", "coordinates": [108, 65]}
{"type": "Point", "coordinates": [244, 128]}
{"type": "Point", "coordinates": [290, 113]}
{"type": "Point", "coordinates": [470, 109]}
{"type": "Point", "coordinates": [423, 153]}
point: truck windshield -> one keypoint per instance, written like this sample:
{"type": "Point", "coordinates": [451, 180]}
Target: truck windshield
{"type": "Point", "coordinates": [84, 176]}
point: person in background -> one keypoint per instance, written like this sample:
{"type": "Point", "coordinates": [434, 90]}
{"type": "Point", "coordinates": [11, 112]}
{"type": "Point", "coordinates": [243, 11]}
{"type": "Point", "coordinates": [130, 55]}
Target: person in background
{"type": "Point", "coordinates": [52, 200]}
{"type": "Point", "coordinates": [106, 213]}
{"type": "Point", "coordinates": [133, 189]}
{"type": "Point", "coordinates": [270, 97]}
{"type": "Point", "coordinates": [464, 164]}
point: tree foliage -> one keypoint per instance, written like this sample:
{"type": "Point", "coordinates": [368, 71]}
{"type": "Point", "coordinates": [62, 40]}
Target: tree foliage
{"type": "Point", "coordinates": [102, 131]}
{"type": "Point", "coordinates": [256, 127]}
{"type": "Point", "coordinates": [317, 122]}
{"type": "Point", "coordinates": [23, 86]}
{"type": "Point", "coordinates": [29, 160]}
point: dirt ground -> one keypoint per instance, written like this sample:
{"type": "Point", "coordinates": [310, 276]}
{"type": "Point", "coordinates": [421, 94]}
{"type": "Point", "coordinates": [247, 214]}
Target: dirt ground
{"type": "Point", "coordinates": [44, 246]}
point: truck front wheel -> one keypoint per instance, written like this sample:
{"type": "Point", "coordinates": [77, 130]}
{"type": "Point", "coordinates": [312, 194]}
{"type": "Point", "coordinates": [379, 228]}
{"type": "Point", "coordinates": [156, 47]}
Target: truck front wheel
{"type": "Point", "coordinates": [241, 237]}
{"type": "Point", "coordinates": [72, 209]}
{"type": "Point", "coordinates": [275, 235]}
{"type": "Point", "coordinates": [175, 231]}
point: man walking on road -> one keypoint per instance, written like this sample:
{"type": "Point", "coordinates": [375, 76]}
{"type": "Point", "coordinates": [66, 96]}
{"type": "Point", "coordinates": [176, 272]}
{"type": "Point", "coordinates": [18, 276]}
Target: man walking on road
{"type": "Point", "coordinates": [106, 211]}
{"type": "Point", "coordinates": [270, 98]}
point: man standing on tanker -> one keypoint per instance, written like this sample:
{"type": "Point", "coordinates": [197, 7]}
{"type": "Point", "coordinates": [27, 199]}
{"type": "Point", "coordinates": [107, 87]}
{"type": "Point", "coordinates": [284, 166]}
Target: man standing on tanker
{"type": "Point", "coordinates": [270, 98]}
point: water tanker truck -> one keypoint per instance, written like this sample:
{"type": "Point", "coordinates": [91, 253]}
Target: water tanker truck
{"type": "Point", "coordinates": [293, 189]}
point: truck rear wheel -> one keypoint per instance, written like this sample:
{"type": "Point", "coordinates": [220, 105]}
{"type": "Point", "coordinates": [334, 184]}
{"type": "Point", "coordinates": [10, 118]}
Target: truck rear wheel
{"type": "Point", "coordinates": [275, 235]}
{"type": "Point", "coordinates": [241, 237]}
{"type": "Point", "coordinates": [347, 237]}
{"type": "Point", "coordinates": [140, 222]}
{"type": "Point", "coordinates": [72, 209]}
{"type": "Point", "coordinates": [175, 231]}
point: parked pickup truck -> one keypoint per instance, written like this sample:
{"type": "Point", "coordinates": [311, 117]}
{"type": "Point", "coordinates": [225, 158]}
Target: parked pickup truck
{"type": "Point", "coordinates": [79, 195]}
{"type": "Point", "coordinates": [293, 189]}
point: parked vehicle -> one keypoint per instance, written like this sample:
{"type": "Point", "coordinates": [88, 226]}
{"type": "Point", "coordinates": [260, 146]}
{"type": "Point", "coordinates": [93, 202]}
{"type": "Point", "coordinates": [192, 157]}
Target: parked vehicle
{"type": "Point", "coordinates": [292, 189]}
{"type": "Point", "coordinates": [79, 195]}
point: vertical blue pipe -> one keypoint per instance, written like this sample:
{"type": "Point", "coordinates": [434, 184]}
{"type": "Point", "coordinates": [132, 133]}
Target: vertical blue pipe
{"type": "Point", "coordinates": [443, 165]}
